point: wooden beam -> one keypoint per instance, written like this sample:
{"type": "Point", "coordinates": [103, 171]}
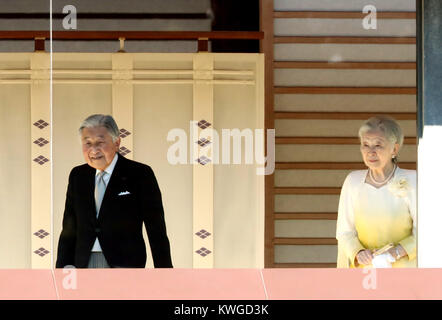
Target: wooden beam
{"type": "Point", "coordinates": [345, 90]}
{"type": "Point", "coordinates": [306, 215]}
{"type": "Point", "coordinates": [329, 140]}
{"type": "Point", "coordinates": [349, 40]}
{"type": "Point", "coordinates": [157, 35]}
{"type": "Point", "coordinates": [132, 35]}
{"type": "Point", "coordinates": [307, 190]}
{"type": "Point", "coordinates": [332, 165]}
{"type": "Point", "coordinates": [107, 15]}
{"type": "Point", "coordinates": [340, 15]}
{"type": "Point", "coordinates": [342, 115]}
{"type": "Point", "coordinates": [305, 241]}
{"type": "Point", "coordinates": [344, 65]}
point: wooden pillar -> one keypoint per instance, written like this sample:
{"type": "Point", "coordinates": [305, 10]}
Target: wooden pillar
{"type": "Point", "coordinates": [122, 100]}
{"type": "Point", "coordinates": [202, 162]}
{"type": "Point", "coordinates": [41, 182]}
{"type": "Point", "coordinates": [261, 190]}
{"type": "Point", "coordinates": [266, 47]}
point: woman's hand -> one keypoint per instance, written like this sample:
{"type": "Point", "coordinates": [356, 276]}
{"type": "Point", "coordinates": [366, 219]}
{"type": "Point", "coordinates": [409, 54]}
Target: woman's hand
{"type": "Point", "coordinates": [364, 257]}
{"type": "Point", "coordinates": [397, 250]}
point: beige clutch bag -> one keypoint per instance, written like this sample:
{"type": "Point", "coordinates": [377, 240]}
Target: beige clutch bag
{"type": "Point", "coordinates": [383, 249]}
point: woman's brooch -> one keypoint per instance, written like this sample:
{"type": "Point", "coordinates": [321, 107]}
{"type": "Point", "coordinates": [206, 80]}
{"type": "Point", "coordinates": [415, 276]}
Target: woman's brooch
{"type": "Point", "coordinates": [399, 187]}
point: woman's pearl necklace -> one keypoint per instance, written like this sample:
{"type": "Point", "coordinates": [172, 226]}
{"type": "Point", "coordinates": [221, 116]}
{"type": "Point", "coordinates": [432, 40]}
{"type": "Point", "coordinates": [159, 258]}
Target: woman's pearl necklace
{"type": "Point", "coordinates": [383, 182]}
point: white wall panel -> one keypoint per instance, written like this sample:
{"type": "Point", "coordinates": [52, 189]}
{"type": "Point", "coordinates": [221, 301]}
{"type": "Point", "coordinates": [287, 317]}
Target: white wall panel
{"type": "Point", "coordinates": [344, 78]}
{"type": "Point", "coordinates": [305, 253]}
{"type": "Point", "coordinates": [310, 178]}
{"type": "Point", "coordinates": [345, 102]}
{"type": "Point", "coordinates": [305, 228]}
{"type": "Point", "coordinates": [330, 128]}
{"type": "Point", "coordinates": [344, 5]}
{"type": "Point", "coordinates": [344, 52]}
{"type": "Point", "coordinates": [15, 176]}
{"type": "Point", "coordinates": [155, 114]}
{"type": "Point", "coordinates": [332, 153]}
{"type": "Point", "coordinates": [306, 203]}
{"type": "Point", "coordinates": [235, 202]}
{"type": "Point", "coordinates": [344, 27]}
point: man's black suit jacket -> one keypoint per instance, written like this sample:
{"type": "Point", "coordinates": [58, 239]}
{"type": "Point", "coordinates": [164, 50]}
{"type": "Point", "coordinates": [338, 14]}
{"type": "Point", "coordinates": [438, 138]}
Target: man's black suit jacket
{"type": "Point", "coordinates": [120, 220]}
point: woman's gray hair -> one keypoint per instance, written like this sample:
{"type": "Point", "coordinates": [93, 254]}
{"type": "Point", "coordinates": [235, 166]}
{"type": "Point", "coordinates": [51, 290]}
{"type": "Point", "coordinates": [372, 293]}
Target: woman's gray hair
{"type": "Point", "coordinates": [387, 125]}
{"type": "Point", "coordinates": [101, 120]}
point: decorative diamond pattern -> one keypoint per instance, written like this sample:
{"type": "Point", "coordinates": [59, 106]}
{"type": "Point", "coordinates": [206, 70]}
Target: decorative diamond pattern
{"type": "Point", "coordinates": [41, 252]}
{"type": "Point", "coordinates": [203, 160]}
{"type": "Point", "coordinates": [124, 151]}
{"type": "Point", "coordinates": [41, 160]}
{"type": "Point", "coordinates": [41, 233]}
{"type": "Point", "coordinates": [203, 252]}
{"type": "Point", "coordinates": [41, 124]}
{"type": "Point", "coordinates": [203, 142]}
{"type": "Point", "coordinates": [41, 142]}
{"type": "Point", "coordinates": [124, 133]}
{"type": "Point", "coordinates": [203, 234]}
{"type": "Point", "coordinates": [203, 124]}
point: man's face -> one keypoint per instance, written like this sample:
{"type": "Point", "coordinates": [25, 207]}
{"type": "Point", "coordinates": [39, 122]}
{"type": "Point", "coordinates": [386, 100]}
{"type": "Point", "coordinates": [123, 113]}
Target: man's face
{"type": "Point", "coordinates": [98, 147]}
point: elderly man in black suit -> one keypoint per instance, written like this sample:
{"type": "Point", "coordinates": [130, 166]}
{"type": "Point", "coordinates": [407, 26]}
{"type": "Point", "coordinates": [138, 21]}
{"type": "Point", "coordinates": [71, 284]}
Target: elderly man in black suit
{"type": "Point", "coordinates": [107, 201]}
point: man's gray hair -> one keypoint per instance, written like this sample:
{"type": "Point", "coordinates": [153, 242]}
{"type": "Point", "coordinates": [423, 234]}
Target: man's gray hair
{"type": "Point", "coordinates": [101, 120]}
{"type": "Point", "coordinates": [387, 125]}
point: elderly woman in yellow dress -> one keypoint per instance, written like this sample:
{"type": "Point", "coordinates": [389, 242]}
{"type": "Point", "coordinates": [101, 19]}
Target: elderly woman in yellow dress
{"type": "Point", "coordinates": [377, 208]}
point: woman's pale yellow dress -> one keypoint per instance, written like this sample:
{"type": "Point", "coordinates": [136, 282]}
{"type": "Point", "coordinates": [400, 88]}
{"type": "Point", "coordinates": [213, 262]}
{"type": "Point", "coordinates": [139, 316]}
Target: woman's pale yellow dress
{"type": "Point", "coordinates": [370, 217]}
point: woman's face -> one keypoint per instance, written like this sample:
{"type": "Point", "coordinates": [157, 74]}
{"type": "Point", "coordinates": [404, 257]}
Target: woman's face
{"type": "Point", "coordinates": [376, 150]}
